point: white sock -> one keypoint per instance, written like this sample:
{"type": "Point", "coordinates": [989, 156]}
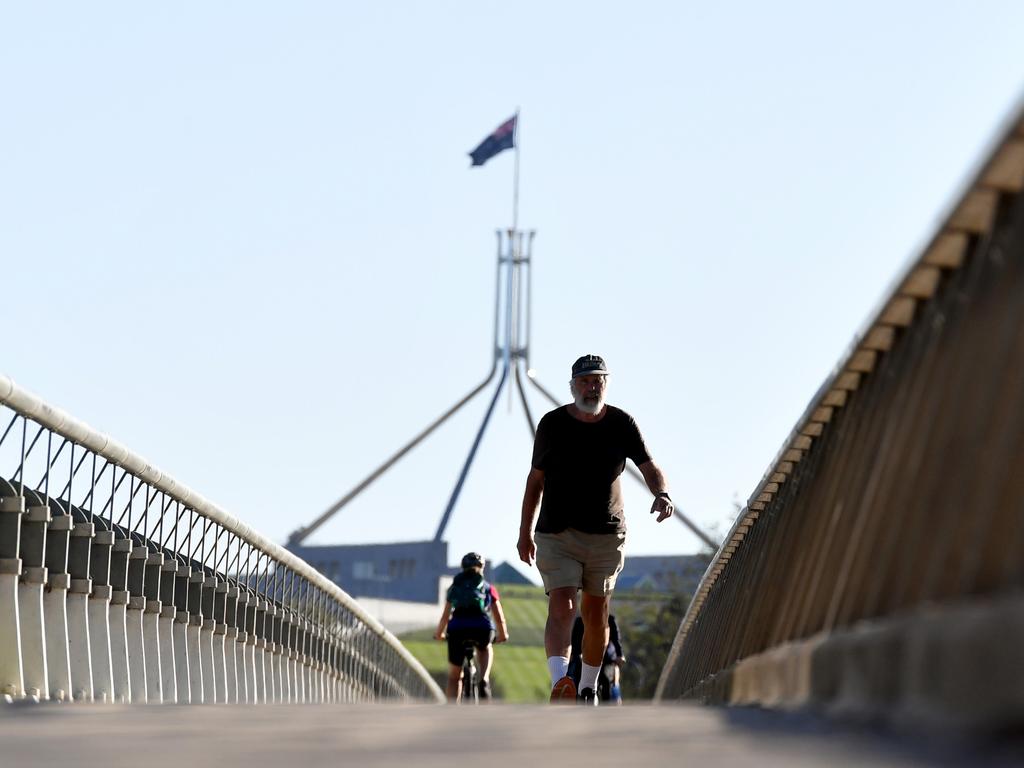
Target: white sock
{"type": "Point", "coordinates": [558, 666]}
{"type": "Point", "coordinates": [588, 677]}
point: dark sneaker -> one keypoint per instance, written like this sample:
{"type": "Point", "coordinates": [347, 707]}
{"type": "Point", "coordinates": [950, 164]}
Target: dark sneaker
{"type": "Point", "coordinates": [564, 691]}
{"type": "Point", "coordinates": [484, 689]}
{"type": "Point", "coordinates": [587, 698]}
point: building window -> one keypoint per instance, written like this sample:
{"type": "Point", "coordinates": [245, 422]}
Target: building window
{"type": "Point", "coordinates": [402, 568]}
{"type": "Point", "coordinates": [363, 569]}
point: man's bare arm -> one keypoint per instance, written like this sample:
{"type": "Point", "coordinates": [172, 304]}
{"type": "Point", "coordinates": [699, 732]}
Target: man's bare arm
{"type": "Point", "coordinates": [657, 483]}
{"type": "Point", "coordinates": [531, 502]}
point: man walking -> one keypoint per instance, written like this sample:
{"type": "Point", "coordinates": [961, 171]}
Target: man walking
{"type": "Point", "coordinates": [579, 452]}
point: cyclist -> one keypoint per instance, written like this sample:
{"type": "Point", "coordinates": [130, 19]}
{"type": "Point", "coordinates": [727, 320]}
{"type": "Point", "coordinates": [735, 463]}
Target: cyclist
{"type": "Point", "coordinates": [608, 682]}
{"type": "Point", "coordinates": [467, 626]}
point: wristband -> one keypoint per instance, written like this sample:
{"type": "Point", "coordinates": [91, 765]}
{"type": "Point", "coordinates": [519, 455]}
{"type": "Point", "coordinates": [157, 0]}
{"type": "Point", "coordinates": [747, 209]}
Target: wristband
{"type": "Point", "coordinates": [663, 495]}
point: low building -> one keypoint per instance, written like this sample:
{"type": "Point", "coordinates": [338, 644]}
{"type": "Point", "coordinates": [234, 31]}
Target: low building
{"type": "Point", "coordinates": [662, 573]}
{"type": "Point", "coordinates": [409, 570]}
{"type": "Point", "coordinates": [506, 573]}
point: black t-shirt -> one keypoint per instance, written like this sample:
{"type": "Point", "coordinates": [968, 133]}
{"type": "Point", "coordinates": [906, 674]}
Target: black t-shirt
{"type": "Point", "coordinates": [582, 461]}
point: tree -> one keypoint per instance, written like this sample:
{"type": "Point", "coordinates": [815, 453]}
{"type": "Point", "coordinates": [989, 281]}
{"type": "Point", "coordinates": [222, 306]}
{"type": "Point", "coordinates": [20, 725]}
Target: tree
{"type": "Point", "coordinates": [649, 640]}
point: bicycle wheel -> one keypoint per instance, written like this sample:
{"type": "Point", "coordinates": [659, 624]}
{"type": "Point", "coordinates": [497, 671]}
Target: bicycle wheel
{"type": "Point", "coordinates": [470, 693]}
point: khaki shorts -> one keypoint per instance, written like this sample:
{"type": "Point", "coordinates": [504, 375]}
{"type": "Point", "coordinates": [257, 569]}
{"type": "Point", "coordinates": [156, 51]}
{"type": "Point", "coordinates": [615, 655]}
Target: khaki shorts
{"type": "Point", "coordinates": [587, 561]}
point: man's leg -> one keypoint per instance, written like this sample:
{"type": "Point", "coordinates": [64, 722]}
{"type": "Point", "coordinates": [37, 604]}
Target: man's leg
{"type": "Point", "coordinates": [558, 629]}
{"type": "Point", "coordinates": [600, 569]}
{"type": "Point", "coordinates": [594, 610]}
{"type": "Point", "coordinates": [557, 641]}
{"type": "Point", "coordinates": [562, 573]}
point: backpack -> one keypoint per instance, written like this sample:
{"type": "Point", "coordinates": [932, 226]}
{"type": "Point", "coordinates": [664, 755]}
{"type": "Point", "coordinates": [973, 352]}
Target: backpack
{"type": "Point", "coordinates": [469, 592]}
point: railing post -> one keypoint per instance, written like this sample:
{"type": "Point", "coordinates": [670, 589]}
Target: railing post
{"type": "Point", "coordinates": [79, 635]}
{"type": "Point", "coordinates": [316, 658]}
{"type": "Point", "coordinates": [58, 660]}
{"type": "Point", "coordinates": [277, 659]}
{"type": "Point", "coordinates": [287, 644]}
{"type": "Point", "coordinates": [183, 660]}
{"type": "Point", "coordinates": [30, 596]}
{"type": "Point", "coordinates": [261, 671]}
{"type": "Point", "coordinates": [100, 623]}
{"type": "Point", "coordinates": [233, 648]}
{"type": "Point", "coordinates": [211, 667]}
{"type": "Point", "coordinates": [334, 653]}
{"type": "Point", "coordinates": [151, 628]}
{"type": "Point", "coordinates": [221, 659]}
{"type": "Point", "coordinates": [136, 644]}
{"type": "Point", "coordinates": [306, 648]}
{"type": "Point", "coordinates": [247, 672]}
{"type": "Point", "coordinates": [12, 508]}
{"type": "Point", "coordinates": [324, 675]}
{"type": "Point", "coordinates": [168, 649]}
{"type": "Point", "coordinates": [345, 658]}
{"type": "Point", "coordinates": [196, 658]}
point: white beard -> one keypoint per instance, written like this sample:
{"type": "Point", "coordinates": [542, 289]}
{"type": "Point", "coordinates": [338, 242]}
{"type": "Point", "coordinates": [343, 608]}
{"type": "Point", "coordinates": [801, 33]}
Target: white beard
{"type": "Point", "coordinates": [592, 407]}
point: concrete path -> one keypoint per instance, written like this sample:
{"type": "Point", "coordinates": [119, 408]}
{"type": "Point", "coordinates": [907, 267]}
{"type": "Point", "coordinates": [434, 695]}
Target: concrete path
{"type": "Point", "coordinates": [409, 735]}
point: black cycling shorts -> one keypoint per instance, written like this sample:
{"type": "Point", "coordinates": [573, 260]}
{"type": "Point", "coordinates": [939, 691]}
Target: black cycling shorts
{"type": "Point", "coordinates": [461, 637]}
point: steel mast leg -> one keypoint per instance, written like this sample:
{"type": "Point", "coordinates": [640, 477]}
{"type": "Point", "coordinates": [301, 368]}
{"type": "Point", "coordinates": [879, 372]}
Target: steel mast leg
{"type": "Point", "coordinates": [301, 534]}
{"type": "Point", "coordinates": [469, 459]}
{"type": "Point", "coordinates": [526, 405]}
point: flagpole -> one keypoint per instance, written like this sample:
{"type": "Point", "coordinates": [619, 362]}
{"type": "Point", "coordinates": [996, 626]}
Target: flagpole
{"type": "Point", "coordinates": [515, 182]}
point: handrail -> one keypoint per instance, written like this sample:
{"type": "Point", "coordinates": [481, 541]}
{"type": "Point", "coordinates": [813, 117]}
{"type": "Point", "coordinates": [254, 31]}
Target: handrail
{"type": "Point", "coordinates": [947, 287]}
{"type": "Point", "coordinates": [33, 408]}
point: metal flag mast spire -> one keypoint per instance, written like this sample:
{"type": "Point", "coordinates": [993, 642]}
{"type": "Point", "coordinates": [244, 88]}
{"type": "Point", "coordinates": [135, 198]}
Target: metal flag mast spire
{"type": "Point", "coordinates": [512, 329]}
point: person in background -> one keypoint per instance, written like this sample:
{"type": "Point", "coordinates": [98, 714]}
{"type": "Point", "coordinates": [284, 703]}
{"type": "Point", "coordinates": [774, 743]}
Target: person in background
{"type": "Point", "coordinates": [468, 627]}
{"type": "Point", "coordinates": [614, 658]}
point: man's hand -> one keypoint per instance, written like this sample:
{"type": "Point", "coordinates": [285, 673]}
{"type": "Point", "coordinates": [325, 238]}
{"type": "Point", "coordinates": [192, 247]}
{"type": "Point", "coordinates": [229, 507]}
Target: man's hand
{"type": "Point", "coordinates": [527, 548]}
{"type": "Point", "coordinates": [663, 507]}
{"type": "Point", "coordinates": [502, 637]}
{"type": "Point", "coordinates": [439, 635]}
{"type": "Point", "coordinates": [655, 480]}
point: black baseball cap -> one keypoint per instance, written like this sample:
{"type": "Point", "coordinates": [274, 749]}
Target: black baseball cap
{"type": "Point", "coordinates": [589, 365]}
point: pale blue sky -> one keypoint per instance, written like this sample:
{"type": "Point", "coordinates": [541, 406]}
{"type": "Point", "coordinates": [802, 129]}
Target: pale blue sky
{"type": "Point", "coordinates": [243, 238]}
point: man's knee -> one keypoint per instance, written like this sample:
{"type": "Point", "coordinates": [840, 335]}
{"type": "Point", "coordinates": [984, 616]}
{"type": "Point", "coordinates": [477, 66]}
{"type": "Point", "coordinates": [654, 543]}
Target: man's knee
{"type": "Point", "coordinates": [562, 604]}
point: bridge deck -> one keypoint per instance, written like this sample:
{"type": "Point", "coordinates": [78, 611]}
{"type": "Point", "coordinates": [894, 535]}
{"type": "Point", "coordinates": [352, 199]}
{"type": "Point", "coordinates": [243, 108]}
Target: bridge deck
{"type": "Point", "coordinates": [390, 735]}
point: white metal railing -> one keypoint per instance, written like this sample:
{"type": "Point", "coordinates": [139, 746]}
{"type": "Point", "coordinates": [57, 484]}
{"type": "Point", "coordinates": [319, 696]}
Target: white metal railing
{"type": "Point", "coordinates": [118, 583]}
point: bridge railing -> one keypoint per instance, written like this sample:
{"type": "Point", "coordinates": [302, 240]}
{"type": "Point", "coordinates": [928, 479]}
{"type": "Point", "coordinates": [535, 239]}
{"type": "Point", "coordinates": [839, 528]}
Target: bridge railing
{"type": "Point", "coordinates": [119, 584]}
{"type": "Point", "coordinates": [878, 567]}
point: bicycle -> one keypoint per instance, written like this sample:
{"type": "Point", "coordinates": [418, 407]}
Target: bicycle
{"type": "Point", "coordinates": [470, 683]}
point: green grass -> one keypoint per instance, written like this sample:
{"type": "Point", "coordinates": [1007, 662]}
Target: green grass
{"type": "Point", "coordinates": [525, 613]}
{"type": "Point", "coordinates": [520, 665]}
{"type": "Point", "coordinates": [520, 672]}
{"type": "Point", "coordinates": [431, 654]}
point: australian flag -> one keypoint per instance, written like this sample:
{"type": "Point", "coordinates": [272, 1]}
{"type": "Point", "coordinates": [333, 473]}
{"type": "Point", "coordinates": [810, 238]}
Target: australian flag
{"type": "Point", "coordinates": [504, 137]}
